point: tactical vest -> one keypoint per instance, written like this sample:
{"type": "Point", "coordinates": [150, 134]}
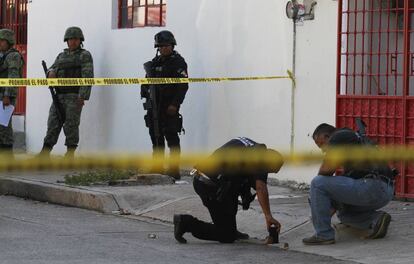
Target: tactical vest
{"type": "Point", "coordinates": [4, 71]}
{"type": "Point", "coordinates": [69, 66]}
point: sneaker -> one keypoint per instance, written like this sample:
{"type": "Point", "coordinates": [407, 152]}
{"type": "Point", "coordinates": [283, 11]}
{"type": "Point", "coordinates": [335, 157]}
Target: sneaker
{"type": "Point", "coordinates": [314, 240]}
{"type": "Point", "coordinates": [179, 229]}
{"type": "Point", "coordinates": [381, 227]}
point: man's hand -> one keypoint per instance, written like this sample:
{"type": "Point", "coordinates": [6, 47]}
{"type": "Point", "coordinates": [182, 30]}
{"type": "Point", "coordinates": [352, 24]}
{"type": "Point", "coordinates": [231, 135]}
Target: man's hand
{"type": "Point", "coordinates": [172, 110]}
{"type": "Point", "coordinates": [6, 101]}
{"type": "Point", "coordinates": [263, 197]}
{"type": "Point", "coordinates": [51, 74]}
{"type": "Point", "coordinates": [271, 221]}
{"type": "Point", "coordinates": [81, 102]}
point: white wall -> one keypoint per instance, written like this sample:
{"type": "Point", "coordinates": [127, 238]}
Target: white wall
{"type": "Point", "coordinates": [217, 38]}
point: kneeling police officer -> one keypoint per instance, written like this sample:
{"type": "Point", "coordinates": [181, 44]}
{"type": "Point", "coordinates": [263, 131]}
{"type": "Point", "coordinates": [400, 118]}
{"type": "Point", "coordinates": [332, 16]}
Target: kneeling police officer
{"type": "Point", "coordinates": [220, 188]}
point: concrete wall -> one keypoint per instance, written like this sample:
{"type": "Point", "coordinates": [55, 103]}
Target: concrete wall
{"type": "Point", "coordinates": [217, 38]}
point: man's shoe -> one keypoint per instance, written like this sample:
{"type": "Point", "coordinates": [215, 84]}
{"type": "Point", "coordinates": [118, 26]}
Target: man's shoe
{"type": "Point", "coordinates": [241, 236]}
{"type": "Point", "coordinates": [314, 240]}
{"type": "Point", "coordinates": [179, 229]}
{"type": "Point", "coordinates": [381, 227]}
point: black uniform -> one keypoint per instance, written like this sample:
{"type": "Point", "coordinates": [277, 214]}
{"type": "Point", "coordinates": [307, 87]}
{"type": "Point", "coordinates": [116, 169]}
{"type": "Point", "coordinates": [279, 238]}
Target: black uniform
{"type": "Point", "coordinates": [221, 199]}
{"type": "Point", "coordinates": [348, 137]}
{"type": "Point", "coordinates": [173, 66]}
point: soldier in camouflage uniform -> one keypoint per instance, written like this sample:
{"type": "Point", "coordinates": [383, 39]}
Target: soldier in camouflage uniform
{"type": "Point", "coordinates": [11, 66]}
{"type": "Point", "coordinates": [73, 62]}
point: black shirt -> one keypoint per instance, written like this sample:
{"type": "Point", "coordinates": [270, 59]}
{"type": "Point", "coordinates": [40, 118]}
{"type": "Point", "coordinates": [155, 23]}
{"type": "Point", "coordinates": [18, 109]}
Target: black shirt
{"type": "Point", "coordinates": [173, 66]}
{"type": "Point", "coordinates": [241, 144]}
{"type": "Point", "coordinates": [346, 137]}
{"type": "Point", "coordinates": [343, 137]}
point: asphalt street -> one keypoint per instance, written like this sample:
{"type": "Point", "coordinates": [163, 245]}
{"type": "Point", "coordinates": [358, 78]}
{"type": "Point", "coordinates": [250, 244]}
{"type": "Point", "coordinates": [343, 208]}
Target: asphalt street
{"type": "Point", "coordinates": [34, 232]}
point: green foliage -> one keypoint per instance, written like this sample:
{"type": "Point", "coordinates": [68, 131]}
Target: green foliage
{"type": "Point", "coordinates": [98, 177]}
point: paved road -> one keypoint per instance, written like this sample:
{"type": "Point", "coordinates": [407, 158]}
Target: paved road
{"type": "Point", "coordinates": [33, 232]}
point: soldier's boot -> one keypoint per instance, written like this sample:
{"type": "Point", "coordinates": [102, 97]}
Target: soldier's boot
{"type": "Point", "coordinates": [174, 164]}
{"type": "Point", "coordinates": [6, 151]}
{"type": "Point", "coordinates": [158, 156]}
{"type": "Point", "coordinates": [181, 226]}
{"type": "Point", "coordinates": [70, 152]}
{"type": "Point", "coordinates": [45, 152]}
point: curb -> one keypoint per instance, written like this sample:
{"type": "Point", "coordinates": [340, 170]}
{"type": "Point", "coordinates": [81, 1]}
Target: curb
{"type": "Point", "coordinates": [57, 194]}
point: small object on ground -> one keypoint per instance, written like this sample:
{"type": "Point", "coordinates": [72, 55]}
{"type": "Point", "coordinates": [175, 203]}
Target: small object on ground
{"type": "Point", "coordinates": [152, 236]}
{"type": "Point", "coordinates": [273, 237]}
{"type": "Point", "coordinates": [181, 182]}
{"type": "Point", "coordinates": [284, 246]}
{"type": "Point", "coordinates": [123, 211]}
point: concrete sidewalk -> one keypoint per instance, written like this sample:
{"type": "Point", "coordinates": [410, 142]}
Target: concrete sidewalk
{"type": "Point", "coordinates": [161, 202]}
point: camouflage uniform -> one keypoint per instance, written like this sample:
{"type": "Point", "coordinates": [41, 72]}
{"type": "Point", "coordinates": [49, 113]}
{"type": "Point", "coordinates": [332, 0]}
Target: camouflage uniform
{"type": "Point", "coordinates": [11, 66]}
{"type": "Point", "coordinates": [69, 64]}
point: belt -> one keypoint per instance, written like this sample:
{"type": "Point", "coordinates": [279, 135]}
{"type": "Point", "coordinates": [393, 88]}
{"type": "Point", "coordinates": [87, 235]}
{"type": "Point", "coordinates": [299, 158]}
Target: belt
{"type": "Point", "coordinates": [379, 177]}
{"type": "Point", "coordinates": [200, 176]}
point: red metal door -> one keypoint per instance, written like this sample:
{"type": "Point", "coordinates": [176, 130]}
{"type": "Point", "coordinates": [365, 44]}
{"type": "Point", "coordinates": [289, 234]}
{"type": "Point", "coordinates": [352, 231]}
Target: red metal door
{"type": "Point", "coordinates": [375, 78]}
{"type": "Point", "coordinates": [13, 15]}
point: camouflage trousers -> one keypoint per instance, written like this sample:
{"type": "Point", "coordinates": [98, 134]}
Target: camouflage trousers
{"type": "Point", "coordinates": [70, 126]}
{"type": "Point", "coordinates": [6, 133]}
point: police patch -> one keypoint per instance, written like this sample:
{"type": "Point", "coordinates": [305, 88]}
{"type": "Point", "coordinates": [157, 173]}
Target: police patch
{"type": "Point", "coordinates": [183, 73]}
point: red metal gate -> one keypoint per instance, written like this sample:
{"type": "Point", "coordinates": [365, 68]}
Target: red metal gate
{"type": "Point", "coordinates": [13, 15]}
{"type": "Point", "coordinates": [375, 77]}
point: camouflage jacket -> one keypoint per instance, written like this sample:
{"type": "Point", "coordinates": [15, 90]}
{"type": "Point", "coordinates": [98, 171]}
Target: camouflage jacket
{"type": "Point", "coordinates": [74, 64]}
{"type": "Point", "coordinates": [11, 66]}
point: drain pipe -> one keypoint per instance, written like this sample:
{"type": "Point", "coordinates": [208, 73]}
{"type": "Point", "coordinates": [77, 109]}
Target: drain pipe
{"type": "Point", "coordinates": [292, 99]}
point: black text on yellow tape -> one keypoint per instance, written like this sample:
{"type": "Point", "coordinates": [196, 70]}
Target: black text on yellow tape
{"type": "Point", "coordinates": [126, 81]}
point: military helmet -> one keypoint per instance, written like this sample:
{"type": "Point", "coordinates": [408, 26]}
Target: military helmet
{"type": "Point", "coordinates": [8, 35]}
{"type": "Point", "coordinates": [164, 37]}
{"type": "Point", "coordinates": [74, 33]}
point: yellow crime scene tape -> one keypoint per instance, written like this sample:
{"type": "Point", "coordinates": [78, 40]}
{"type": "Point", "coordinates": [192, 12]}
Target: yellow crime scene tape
{"type": "Point", "coordinates": [57, 82]}
{"type": "Point", "coordinates": [230, 160]}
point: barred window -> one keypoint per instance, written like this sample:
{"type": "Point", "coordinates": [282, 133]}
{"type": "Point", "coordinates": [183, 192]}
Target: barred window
{"type": "Point", "coordinates": [13, 15]}
{"type": "Point", "coordinates": [142, 13]}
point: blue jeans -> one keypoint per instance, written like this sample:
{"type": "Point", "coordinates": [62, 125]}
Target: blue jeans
{"type": "Point", "coordinates": [359, 199]}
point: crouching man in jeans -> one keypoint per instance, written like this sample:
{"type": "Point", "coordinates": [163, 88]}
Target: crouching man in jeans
{"type": "Point", "coordinates": [220, 188]}
{"type": "Point", "coordinates": [356, 195]}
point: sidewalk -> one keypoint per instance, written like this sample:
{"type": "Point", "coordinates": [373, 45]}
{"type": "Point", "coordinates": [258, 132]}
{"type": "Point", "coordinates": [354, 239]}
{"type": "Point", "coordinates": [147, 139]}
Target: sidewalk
{"type": "Point", "coordinates": [160, 202]}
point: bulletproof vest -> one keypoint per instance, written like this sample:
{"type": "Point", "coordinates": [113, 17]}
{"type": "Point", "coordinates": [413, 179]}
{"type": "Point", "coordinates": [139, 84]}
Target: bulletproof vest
{"type": "Point", "coordinates": [165, 68]}
{"type": "Point", "coordinates": [377, 168]}
{"type": "Point", "coordinates": [69, 66]}
{"type": "Point", "coordinates": [4, 71]}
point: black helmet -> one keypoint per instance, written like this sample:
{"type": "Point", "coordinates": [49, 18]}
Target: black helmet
{"type": "Point", "coordinates": [164, 37]}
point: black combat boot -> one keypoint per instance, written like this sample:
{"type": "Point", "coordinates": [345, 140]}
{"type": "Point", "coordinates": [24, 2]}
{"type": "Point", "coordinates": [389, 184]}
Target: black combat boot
{"type": "Point", "coordinates": [158, 158]}
{"type": "Point", "coordinates": [241, 236]}
{"type": "Point", "coordinates": [70, 152]}
{"type": "Point", "coordinates": [174, 172]}
{"type": "Point", "coordinates": [181, 225]}
{"type": "Point", "coordinates": [174, 164]}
